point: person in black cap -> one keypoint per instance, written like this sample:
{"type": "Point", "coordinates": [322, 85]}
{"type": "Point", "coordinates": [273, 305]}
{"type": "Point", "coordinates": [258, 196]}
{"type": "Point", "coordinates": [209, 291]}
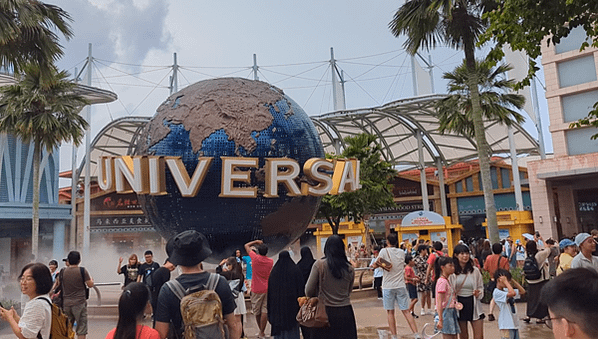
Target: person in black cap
{"type": "Point", "coordinates": [189, 249]}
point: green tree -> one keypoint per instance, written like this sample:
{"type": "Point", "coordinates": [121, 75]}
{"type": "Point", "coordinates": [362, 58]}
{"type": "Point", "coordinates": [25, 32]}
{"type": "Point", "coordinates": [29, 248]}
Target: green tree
{"type": "Point", "coordinates": [497, 99]}
{"type": "Point", "coordinates": [458, 24]}
{"type": "Point", "coordinates": [526, 24]}
{"type": "Point", "coordinates": [375, 176]}
{"type": "Point", "coordinates": [28, 34]}
{"type": "Point", "coordinates": [43, 110]}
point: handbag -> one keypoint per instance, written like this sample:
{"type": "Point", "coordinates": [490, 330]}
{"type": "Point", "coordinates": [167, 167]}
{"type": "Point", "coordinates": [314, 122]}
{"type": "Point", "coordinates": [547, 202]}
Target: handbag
{"type": "Point", "coordinates": [384, 264]}
{"type": "Point", "coordinates": [313, 313]}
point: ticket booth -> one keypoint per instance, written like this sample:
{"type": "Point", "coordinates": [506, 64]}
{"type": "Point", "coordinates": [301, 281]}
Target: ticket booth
{"type": "Point", "coordinates": [352, 233]}
{"type": "Point", "coordinates": [514, 224]}
{"type": "Point", "coordinates": [430, 226]}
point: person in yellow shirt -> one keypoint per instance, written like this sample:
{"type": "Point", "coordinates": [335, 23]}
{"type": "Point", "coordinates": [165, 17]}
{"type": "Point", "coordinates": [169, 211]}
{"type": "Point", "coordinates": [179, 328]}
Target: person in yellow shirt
{"type": "Point", "coordinates": [569, 251]}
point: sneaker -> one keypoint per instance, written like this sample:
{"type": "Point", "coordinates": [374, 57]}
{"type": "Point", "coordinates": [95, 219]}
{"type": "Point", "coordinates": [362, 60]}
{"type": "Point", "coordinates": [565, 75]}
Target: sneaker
{"type": "Point", "coordinates": [423, 312]}
{"type": "Point", "coordinates": [414, 315]}
{"type": "Point", "coordinates": [379, 298]}
{"type": "Point", "coordinates": [491, 317]}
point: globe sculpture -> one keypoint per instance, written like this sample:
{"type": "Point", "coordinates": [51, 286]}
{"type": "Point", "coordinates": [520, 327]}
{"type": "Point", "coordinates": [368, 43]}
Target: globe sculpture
{"type": "Point", "coordinates": [230, 117]}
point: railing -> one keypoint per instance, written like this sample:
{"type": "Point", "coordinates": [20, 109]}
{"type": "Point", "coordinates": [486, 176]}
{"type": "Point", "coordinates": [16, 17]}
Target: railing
{"type": "Point", "coordinates": [97, 290]}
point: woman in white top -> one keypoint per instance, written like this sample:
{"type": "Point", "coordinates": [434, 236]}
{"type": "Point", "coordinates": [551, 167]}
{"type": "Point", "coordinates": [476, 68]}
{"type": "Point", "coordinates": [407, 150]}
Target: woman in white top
{"type": "Point", "coordinates": [36, 282]}
{"type": "Point", "coordinates": [469, 287]}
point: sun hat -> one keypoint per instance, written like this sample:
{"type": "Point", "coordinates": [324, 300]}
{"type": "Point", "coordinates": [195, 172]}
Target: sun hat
{"type": "Point", "coordinates": [581, 237]}
{"type": "Point", "coordinates": [566, 242]}
{"type": "Point", "coordinates": [189, 248]}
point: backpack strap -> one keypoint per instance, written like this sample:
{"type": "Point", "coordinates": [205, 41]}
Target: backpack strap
{"type": "Point", "coordinates": [212, 281]}
{"type": "Point", "coordinates": [176, 288]}
{"type": "Point", "coordinates": [82, 270]}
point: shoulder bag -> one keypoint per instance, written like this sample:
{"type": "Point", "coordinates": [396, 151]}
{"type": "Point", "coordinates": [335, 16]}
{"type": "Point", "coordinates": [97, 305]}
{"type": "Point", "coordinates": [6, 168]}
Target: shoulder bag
{"type": "Point", "coordinates": [313, 312]}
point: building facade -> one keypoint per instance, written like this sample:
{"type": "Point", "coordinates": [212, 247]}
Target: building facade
{"type": "Point", "coordinates": [16, 197]}
{"type": "Point", "coordinates": [564, 189]}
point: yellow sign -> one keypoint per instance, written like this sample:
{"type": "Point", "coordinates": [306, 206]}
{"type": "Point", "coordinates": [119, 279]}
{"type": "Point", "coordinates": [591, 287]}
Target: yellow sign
{"type": "Point", "coordinates": [146, 175]}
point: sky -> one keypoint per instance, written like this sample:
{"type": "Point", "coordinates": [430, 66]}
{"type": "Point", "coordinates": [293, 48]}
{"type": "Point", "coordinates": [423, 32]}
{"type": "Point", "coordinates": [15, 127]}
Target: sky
{"type": "Point", "coordinates": [133, 42]}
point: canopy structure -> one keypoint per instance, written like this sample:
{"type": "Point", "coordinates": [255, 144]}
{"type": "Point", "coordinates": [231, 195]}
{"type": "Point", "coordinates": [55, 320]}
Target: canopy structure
{"type": "Point", "coordinates": [117, 138]}
{"type": "Point", "coordinates": [397, 124]}
{"type": "Point", "coordinates": [92, 94]}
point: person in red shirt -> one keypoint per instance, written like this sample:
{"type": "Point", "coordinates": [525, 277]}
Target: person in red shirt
{"type": "Point", "coordinates": [494, 262]}
{"type": "Point", "coordinates": [411, 281]}
{"type": "Point", "coordinates": [261, 265]}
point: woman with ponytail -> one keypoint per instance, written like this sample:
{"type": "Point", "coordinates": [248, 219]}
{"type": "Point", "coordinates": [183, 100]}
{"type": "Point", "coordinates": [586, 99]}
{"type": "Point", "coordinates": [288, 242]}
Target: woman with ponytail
{"type": "Point", "coordinates": [133, 303]}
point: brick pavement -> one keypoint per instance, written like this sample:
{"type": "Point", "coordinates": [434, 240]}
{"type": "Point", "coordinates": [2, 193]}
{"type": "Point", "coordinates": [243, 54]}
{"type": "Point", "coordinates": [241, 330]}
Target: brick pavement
{"type": "Point", "coordinates": [370, 317]}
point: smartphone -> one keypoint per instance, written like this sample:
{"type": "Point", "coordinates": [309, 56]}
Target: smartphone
{"type": "Point", "coordinates": [537, 234]}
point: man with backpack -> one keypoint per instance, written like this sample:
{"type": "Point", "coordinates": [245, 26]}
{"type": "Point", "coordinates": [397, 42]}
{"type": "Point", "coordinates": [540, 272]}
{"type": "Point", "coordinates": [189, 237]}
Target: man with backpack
{"type": "Point", "coordinates": [75, 283]}
{"type": "Point", "coordinates": [193, 291]}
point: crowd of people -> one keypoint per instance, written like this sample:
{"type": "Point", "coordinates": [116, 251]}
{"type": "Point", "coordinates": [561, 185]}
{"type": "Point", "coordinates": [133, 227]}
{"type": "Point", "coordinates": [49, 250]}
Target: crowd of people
{"type": "Point", "coordinates": [450, 288]}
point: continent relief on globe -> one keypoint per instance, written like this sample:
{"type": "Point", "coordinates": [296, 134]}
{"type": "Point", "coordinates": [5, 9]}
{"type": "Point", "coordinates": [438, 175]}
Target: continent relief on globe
{"type": "Point", "coordinates": [236, 105]}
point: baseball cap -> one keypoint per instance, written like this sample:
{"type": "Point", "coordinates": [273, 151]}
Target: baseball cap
{"type": "Point", "coordinates": [581, 237]}
{"type": "Point", "coordinates": [566, 242]}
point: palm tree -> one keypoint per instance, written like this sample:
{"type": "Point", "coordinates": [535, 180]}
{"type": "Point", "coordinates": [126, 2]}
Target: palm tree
{"type": "Point", "coordinates": [43, 110]}
{"type": "Point", "coordinates": [27, 33]}
{"type": "Point", "coordinates": [496, 96]}
{"type": "Point", "coordinates": [458, 24]}
{"type": "Point", "coordinates": [375, 192]}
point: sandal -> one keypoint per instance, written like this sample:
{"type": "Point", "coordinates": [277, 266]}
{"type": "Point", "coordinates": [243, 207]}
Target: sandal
{"type": "Point", "coordinates": [526, 319]}
{"type": "Point", "coordinates": [491, 317]}
{"type": "Point", "coordinates": [540, 321]}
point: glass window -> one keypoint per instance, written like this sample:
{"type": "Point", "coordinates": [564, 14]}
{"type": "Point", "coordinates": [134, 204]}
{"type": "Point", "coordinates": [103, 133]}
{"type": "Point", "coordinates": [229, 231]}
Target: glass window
{"type": "Point", "coordinates": [579, 142]}
{"type": "Point", "coordinates": [573, 41]}
{"type": "Point", "coordinates": [577, 71]}
{"type": "Point", "coordinates": [494, 177]}
{"type": "Point", "coordinates": [577, 106]}
{"type": "Point", "coordinates": [459, 186]}
{"type": "Point", "coordinates": [506, 182]}
{"type": "Point", "coordinates": [469, 183]}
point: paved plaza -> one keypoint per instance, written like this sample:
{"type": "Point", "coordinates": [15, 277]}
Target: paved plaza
{"type": "Point", "coordinates": [369, 314]}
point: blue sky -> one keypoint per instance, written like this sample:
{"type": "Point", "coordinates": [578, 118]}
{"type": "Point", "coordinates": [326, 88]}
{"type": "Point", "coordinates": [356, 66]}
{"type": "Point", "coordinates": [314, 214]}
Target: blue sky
{"type": "Point", "coordinates": [134, 41]}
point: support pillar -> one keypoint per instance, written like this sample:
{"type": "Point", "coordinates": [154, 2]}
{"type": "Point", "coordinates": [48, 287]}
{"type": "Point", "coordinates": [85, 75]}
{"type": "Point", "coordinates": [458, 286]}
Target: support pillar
{"type": "Point", "coordinates": [422, 173]}
{"type": "Point", "coordinates": [515, 169]}
{"type": "Point", "coordinates": [58, 250]}
{"type": "Point", "coordinates": [441, 186]}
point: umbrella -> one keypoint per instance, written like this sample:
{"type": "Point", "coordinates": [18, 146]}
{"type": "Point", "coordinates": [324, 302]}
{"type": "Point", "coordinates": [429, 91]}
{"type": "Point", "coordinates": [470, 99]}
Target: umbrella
{"type": "Point", "coordinates": [528, 236]}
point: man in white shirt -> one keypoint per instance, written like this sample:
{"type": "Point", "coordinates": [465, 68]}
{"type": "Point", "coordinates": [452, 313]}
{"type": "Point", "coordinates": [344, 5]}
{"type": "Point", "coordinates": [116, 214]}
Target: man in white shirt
{"type": "Point", "coordinates": [393, 284]}
{"type": "Point", "coordinates": [585, 259]}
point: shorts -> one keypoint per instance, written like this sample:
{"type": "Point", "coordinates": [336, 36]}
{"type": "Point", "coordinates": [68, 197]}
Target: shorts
{"type": "Point", "coordinates": [450, 325]}
{"type": "Point", "coordinates": [412, 291]}
{"type": "Point", "coordinates": [78, 313]}
{"type": "Point", "coordinates": [259, 303]}
{"type": "Point", "coordinates": [509, 334]}
{"type": "Point", "coordinates": [390, 295]}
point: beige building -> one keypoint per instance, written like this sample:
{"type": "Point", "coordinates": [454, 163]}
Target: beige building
{"type": "Point", "coordinates": [564, 189]}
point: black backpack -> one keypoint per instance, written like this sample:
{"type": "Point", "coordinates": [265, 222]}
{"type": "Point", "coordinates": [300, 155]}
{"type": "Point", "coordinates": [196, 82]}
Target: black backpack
{"type": "Point", "coordinates": [531, 268]}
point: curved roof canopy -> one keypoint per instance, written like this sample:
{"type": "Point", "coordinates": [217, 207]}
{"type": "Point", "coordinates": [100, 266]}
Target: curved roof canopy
{"type": "Point", "coordinates": [396, 125]}
{"type": "Point", "coordinates": [115, 139]}
{"type": "Point", "coordinates": [92, 94]}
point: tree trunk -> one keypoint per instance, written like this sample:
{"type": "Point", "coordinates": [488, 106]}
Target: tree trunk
{"type": "Point", "coordinates": [35, 203]}
{"type": "Point", "coordinates": [482, 144]}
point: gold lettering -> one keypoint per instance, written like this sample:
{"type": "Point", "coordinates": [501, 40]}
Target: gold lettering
{"type": "Point", "coordinates": [188, 186]}
{"type": "Point", "coordinates": [311, 170]}
{"type": "Point", "coordinates": [130, 174]}
{"type": "Point", "coordinates": [286, 177]}
{"type": "Point", "coordinates": [105, 173]}
{"type": "Point", "coordinates": [231, 174]}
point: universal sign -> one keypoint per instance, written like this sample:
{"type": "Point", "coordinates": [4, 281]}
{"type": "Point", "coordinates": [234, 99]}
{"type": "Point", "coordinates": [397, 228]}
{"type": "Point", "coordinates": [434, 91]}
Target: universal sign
{"type": "Point", "coordinates": [146, 175]}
